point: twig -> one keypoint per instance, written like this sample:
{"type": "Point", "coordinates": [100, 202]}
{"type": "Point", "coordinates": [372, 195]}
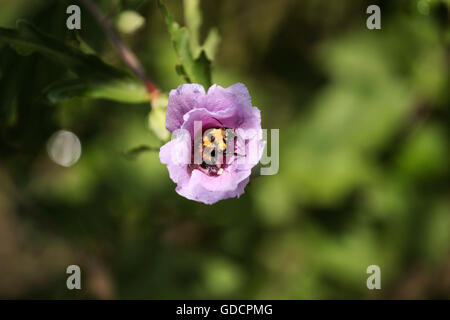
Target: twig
{"type": "Point", "coordinates": [127, 55]}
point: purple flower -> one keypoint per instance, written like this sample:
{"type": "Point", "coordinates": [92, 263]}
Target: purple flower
{"type": "Point", "coordinates": [227, 119]}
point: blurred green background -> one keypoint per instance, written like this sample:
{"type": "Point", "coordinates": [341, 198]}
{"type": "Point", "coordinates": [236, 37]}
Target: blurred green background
{"type": "Point", "coordinates": [364, 159]}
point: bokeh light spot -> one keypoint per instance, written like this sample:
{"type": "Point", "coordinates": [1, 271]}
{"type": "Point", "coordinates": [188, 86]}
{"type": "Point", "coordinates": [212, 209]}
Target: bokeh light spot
{"type": "Point", "coordinates": [64, 148]}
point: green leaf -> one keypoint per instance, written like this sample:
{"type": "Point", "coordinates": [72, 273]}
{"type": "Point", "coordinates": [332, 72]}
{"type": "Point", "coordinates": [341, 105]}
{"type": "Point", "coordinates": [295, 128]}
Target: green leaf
{"type": "Point", "coordinates": [160, 102]}
{"type": "Point", "coordinates": [121, 90]}
{"type": "Point", "coordinates": [193, 18]}
{"type": "Point", "coordinates": [202, 70]}
{"type": "Point", "coordinates": [211, 43]}
{"type": "Point", "coordinates": [181, 72]}
{"type": "Point", "coordinates": [157, 123]}
{"type": "Point", "coordinates": [27, 39]}
{"type": "Point", "coordinates": [157, 117]}
{"type": "Point", "coordinates": [95, 78]}
{"type": "Point", "coordinates": [81, 44]}
{"type": "Point", "coordinates": [196, 70]}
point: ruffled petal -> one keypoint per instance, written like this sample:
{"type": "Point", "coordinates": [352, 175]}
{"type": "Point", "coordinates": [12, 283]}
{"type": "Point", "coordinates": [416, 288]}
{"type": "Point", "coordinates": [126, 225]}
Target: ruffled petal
{"type": "Point", "coordinates": [209, 189]}
{"type": "Point", "coordinates": [176, 154]}
{"type": "Point", "coordinates": [219, 98]}
{"type": "Point", "coordinates": [185, 98]}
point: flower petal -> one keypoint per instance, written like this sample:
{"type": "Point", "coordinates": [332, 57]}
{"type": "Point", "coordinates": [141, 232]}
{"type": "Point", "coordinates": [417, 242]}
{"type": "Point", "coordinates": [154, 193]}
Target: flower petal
{"type": "Point", "coordinates": [219, 98]}
{"type": "Point", "coordinates": [176, 155]}
{"type": "Point", "coordinates": [208, 189]}
{"type": "Point", "coordinates": [185, 98]}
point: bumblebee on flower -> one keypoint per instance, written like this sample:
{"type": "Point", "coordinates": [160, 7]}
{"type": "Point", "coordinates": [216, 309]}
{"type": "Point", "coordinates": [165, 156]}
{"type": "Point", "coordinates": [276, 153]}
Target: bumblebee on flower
{"type": "Point", "coordinates": [220, 133]}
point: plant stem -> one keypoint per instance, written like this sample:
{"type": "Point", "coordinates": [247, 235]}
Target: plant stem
{"type": "Point", "coordinates": [127, 55]}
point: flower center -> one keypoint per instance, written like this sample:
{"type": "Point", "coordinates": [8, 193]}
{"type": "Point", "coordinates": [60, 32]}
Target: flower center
{"type": "Point", "coordinates": [214, 151]}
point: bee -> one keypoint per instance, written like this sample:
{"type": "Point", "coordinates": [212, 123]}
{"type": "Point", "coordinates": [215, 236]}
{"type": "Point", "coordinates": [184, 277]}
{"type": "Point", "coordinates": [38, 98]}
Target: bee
{"type": "Point", "coordinates": [214, 141]}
